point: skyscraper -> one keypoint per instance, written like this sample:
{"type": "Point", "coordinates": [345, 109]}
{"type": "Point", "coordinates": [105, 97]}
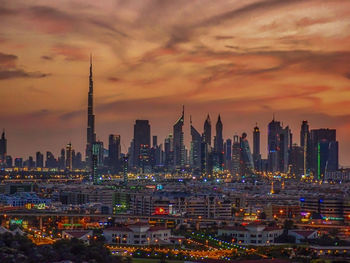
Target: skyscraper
{"type": "Point", "coordinates": [168, 151]}
{"type": "Point", "coordinates": [195, 155]}
{"type": "Point", "coordinates": [236, 156]}
{"type": "Point", "coordinates": [324, 151]}
{"type": "Point", "coordinates": [274, 129]}
{"type": "Point", "coordinates": [305, 145]}
{"type": "Point", "coordinates": [246, 156]}
{"type": "Point", "coordinates": [3, 149]}
{"type": "Point", "coordinates": [279, 147]}
{"type": "Point", "coordinates": [179, 147]}
{"type": "Point", "coordinates": [207, 130]}
{"type": "Point", "coordinates": [69, 157]}
{"type": "Point", "coordinates": [91, 136]}
{"type": "Point", "coordinates": [256, 148]}
{"type": "Point", "coordinates": [51, 161]}
{"type": "Point", "coordinates": [218, 147]}
{"type": "Point", "coordinates": [114, 151]}
{"type": "Point", "coordinates": [228, 154]}
{"type": "Point", "coordinates": [285, 146]}
{"type": "Point", "coordinates": [39, 159]}
{"type": "Point", "coordinates": [142, 141]}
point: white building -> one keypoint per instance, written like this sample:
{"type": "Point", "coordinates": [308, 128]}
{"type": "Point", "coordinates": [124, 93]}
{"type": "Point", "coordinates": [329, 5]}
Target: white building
{"type": "Point", "coordinates": [137, 234]}
{"type": "Point", "coordinates": [253, 234]}
{"type": "Point", "coordinates": [83, 235]}
{"type": "Point", "coordinates": [301, 235]}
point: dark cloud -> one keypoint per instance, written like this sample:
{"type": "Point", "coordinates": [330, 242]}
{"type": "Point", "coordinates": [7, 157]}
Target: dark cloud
{"type": "Point", "coordinates": [245, 10]}
{"type": "Point", "coordinates": [20, 73]}
{"type": "Point", "coordinates": [224, 37]}
{"type": "Point", "coordinates": [113, 79]}
{"type": "Point", "coordinates": [47, 57]}
{"type": "Point", "coordinates": [7, 60]}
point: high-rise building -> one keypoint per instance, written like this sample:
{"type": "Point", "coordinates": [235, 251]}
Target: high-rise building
{"type": "Point", "coordinates": [154, 141]}
{"type": "Point", "coordinates": [50, 162]}
{"type": "Point", "coordinates": [207, 131]}
{"type": "Point", "coordinates": [296, 160]}
{"type": "Point", "coordinates": [3, 149]}
{"type": "Point", "coordinates": [195, 153]}
{"type": "Point", "coordinates": [125, 169]}
{"type": "Point", "coordinates": [305, 144]}
{"type": "Point", "coordinates": [77, 161]}
{"type": "Point", "coordinates": [256, 148]}
{"type": "Point", "coordinates": [324, 151]}
{"type": "Point", "coordinates": [246, 156]}
{"type": "Point", "coordinates": [179, 147]}
{"type": "Point", "coordinates": [142, 140]}
{"type": "Point", "coordinates": [8, 161]}
{"type": "Point", "coordinates": [274, 130]}
{"type": "Point", "coordinates": [236, 156]}
{"type": "Point", "coordinates": [279, 146]}
{"type": "Point", "coordinates": [285, 140]}
{"type": "Point", "coordinates": [168, 151]}
{"type": "Point", "coordinates": [62, 160]}
{"type": "Point", "coordinates": [91, 136]}
{"type": "Point", "coordinates": [29, 163]}
{"type": "Point", "coordinates": [114, 151]}
{"type": "Point", "coordinates": [69, 157]}
{"type": "Point", "coordinates": [19, 162]}
{"type": "Point", "coordinates": [98, 151]}
{"type": "Point", "coordinates": [39, 159]}
{"type": "Point", "coordinates": [218, 147]}
{"type": "Point", "coordinates": [228, 154]}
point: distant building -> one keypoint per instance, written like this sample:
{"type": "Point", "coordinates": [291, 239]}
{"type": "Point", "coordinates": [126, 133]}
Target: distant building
{"type": "Point", "coordinates": [3, 149]}
{"type": "Point", "coordinates": [228, 154]}
{"type": "Point", "coordinates": [256, 149]}
{"type": "Point", "coordinates": [142, 143]}
{"type": "Point", "coordinates": [19, 162]}
{"type": "Point", "coordinates": [207, 131]}
{"type": "Point", "coordinates": [50, 162]}
{"type": "Point", "coordinates": [114, 151]}
{"type": "Point", "coordinates": [218, 153]}
{"type": "Point", "coordinates": [247, 163]}
{"type": "Point", "coordinates": [236, 156]}
{"type": "Point", "coordinates": [179, 147]}
{"type": "Point", "coordinates": [296, 160]}
{"type": "Point", "coordinates": [195, 154]}
{"type": "Point", "coordinates": [324, 151]}
{"type": "Point", "coordinates": [91, 135]}
{"type": "Point", "coordinates": [69, 157]}
{"type": "Point", "coordinates": [279, 145]}
{"type": "Point", "coordinates": [39, 159]}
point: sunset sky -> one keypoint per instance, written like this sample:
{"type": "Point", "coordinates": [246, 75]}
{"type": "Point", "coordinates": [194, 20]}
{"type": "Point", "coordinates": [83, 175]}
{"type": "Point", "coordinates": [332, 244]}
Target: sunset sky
{"type": "Point", "coordinates": [243, 59]}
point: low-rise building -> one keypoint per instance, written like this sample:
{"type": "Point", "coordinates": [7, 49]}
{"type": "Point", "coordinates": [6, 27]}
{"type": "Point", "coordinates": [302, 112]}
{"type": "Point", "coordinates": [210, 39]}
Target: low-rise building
{"type": "Point", "coordinates": [301, 235]}
{"type": "Point", "coordinates": [137, 234]}
{"type": "Point", "coordinates": [253, 234]}
{"type": "Point", "coordinates": [83, 235]}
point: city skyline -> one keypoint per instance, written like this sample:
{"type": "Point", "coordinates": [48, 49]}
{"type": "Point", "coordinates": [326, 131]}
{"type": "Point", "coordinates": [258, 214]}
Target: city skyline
{"type": "Point", "coordinates": [244, 81]}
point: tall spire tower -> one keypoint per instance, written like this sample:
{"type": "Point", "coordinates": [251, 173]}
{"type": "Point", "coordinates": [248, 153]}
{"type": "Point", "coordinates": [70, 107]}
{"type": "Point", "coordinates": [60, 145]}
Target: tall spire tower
{"type": "Point", "coordinates": [91, 136]}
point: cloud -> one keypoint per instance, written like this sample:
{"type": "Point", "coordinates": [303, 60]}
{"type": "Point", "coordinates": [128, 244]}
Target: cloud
{"type": "Point", "coordinates": [20, 73]}
{"type": "Point", "coordinates": [70, 52]}
{"type": "Point", "coordinates": [9, 70]}
{"type": "Point", "coordinates": [113, 79]}
{"type": "Point", "coordinates": [46, 57]}
{"type": "Point", "coordinates": [7, 60]}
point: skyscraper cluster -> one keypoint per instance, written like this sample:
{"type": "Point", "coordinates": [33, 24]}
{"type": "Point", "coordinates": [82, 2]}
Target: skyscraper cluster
{"type": "Point", "coordinates": [316, 154]}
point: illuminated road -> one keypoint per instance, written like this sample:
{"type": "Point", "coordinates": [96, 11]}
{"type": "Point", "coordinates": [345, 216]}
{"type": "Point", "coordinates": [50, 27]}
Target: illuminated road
{"type": "Point", "coordinates": [119, 216]}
